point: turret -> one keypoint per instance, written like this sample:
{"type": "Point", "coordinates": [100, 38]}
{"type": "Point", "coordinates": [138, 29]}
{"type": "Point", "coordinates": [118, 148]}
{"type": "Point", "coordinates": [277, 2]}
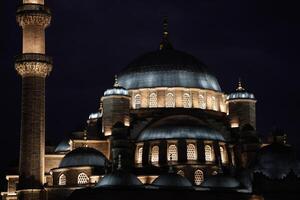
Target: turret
{"type": "Point", "coordinates": [116, 103]}
{"type": "Point", "coordinates": [121, 145]}
{"type": "Point", "coordinates": [241, 108]}
{"type": "Point", "coordinates": [33, 66]}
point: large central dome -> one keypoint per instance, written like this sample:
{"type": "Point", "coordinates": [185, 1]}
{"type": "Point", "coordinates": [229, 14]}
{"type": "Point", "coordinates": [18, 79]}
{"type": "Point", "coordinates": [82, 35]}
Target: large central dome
{"type": "Point", "coordinates": [167, 67]}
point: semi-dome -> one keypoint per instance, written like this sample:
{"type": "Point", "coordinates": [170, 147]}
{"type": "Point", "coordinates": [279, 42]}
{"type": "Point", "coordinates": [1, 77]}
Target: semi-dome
{"type": "Point", "coordinates": [179, 126]}
{"type": "Point", "coordinates": [172, 180]}
{"type": "Point", "coordinates": [83, 156]}
{"type": "Point", "coordinates": [276, 161]}
{"type": "Point", "coordinates": [221, 181]}
{"type": "Point", "coordinates": [63, 146]}
{"type": "Point", "coordinates": [167, 67]}
{"type": "Point", "coordinates": [119, 179]}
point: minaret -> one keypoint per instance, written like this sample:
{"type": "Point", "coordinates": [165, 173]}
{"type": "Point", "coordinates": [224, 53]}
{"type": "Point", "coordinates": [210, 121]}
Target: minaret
{"type": "Point", "coordinates": [33, 66]}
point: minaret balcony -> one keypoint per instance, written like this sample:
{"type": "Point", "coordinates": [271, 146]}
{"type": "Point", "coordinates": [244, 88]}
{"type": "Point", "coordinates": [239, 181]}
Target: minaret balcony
{"type": "Point", "coordinates": [33, 57]}
{"type": "Point", "coordinates": [32, 64]}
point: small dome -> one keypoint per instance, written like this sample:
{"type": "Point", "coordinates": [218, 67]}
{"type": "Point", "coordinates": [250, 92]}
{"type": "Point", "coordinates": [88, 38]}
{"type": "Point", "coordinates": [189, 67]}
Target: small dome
{"type": "Point", "coordinates": [63, 146]}
{"type": "Point", "coordinates": [119, 179]}
{"type": "Point", "coordinates": [179, 126]}
{"type": "Point", "coordinates": [276, 161]}
{"type": "Point", "coordinates": [221, 181]}
{"type": "Point", "coordinates": [172, 180]}
{"type": "Point", "coordinates": [240, 93]}
{"type": "Point", "coordinates": [116, 90]}
{"type": "Point", "coordinates": [83, 156]}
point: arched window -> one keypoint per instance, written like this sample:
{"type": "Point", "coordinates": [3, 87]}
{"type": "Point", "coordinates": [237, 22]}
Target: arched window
{"type": "Point", "coordinates": [208, 153]}
{"type": "Point", "coordinates": [139, 155]}
{"type": "Point", "coordinates": [223, 155]}
{"type": "Point", "coordinates": [137, 101]}
{"type": "Point", "coordinates": [180, 172]}
{"type": "Point", "coordinates": [153, 100]}
{"type": "Point", "coordinates": [191, 152]}
{"type": "Point", "coordinates": [198, 177]}
{"type": "Point", "coordinates": [187, 103]}
{"type": "Point", "coordinates": [214, 104]}
{"type": "Point", "coordinates": [170, 100]}
{"type": "Point", "coordinates": [82, 179]}
{"type": "Point", "coordinates": [172, 153]}
{"type": "Point", "coordinates": [202, 103]}
{"type": "Point", "coordinates": [155, 154]}
{"type": "Point", "coordinates": [62, 180]}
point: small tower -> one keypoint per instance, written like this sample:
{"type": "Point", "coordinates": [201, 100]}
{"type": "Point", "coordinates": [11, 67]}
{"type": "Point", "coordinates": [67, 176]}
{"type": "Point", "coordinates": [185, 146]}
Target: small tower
{"type": "Point", "coordinates": [121, 145]}
{"type": "Point", "coordinates": [33, 66]}
{"type": "Point", "coordinates": [241, 108]}
{"type": "Point", "coordinates": [116, 104]}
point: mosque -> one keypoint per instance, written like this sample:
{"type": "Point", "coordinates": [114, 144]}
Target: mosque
{"type": "Point", "coordinates": [164, 130]}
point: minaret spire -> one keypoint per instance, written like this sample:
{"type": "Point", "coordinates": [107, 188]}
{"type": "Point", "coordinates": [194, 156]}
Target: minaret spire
{"type": "Point", "coordinates": [165, 44]}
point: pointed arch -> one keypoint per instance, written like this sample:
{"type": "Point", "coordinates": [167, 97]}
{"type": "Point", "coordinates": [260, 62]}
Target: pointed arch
{"type": "Point", "coordinates": [153, 100]}
{"type": "Point", "coordinates": [82, 179]}
{"type": "Point", "coordinates": [62, 180]}
{"type": "Point", "coordinates": [137, 101]}
{"type": "Point", "coordinates": [186, 101]}
{"type": "Point", "coordinates": [170, 100]}
{"type": "Point", "coordinates": [198, 177]}
{"type": "Point", "coordinates": [191, 152]}
{"type": "Point", "coordinates": [172, 153]}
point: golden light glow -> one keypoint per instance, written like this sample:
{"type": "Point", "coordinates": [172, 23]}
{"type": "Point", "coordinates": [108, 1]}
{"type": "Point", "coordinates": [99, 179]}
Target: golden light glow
{"type": "Point", "coordinates": [179, 97]}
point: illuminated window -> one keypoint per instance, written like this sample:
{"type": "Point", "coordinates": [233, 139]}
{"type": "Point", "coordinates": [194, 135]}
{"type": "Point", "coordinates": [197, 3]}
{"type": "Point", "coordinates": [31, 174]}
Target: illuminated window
{"type": "Point", "coordinates": [62, 180]}
{"type": "Point", "coordinates": [139, 155]}
{"type": "Point", "coordinates": [172, 153]}
{"type": "Point", "coordinates": [137, 101]}
{"type": "Point", "coordinates": [170, 100]}
{"type": "Point", "coordinates": [155, 154]}
{"type": "Point", "coordinates": [202, 103]}
{"type": "Point", "coordinates": [208, 153]}
{"type": "Point", "coordinates": [82, 179]}
{"type": "Point", "coordinates": [181, 173]}
{"type": "Point", "coordinates": [187, 100]}
{"type": "Point", "coordinates": [153, 100]}
{"type": "Point", "coordinates": [198, 177]}
{"type": "Point", "coordinates": [214, 103]}
{"type": "Point", "coordinates": [223, 155]}
{"type": "Point", "coordinates": [191, 152]}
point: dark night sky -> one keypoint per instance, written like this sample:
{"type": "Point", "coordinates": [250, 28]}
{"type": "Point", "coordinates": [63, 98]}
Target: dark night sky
{"type": "Point", "coordinates": [90, 41]}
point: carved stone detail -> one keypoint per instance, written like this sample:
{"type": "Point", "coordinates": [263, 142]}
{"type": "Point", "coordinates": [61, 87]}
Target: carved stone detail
{"type": "Point", "coordinates": [39, 19]}
{"type": "Point", "coordinates": [31, 68]}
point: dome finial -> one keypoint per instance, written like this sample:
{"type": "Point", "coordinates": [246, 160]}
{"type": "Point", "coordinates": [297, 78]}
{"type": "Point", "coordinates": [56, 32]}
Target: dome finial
{"type": "Point", "coordinates": [165, 27]}
{"type": "Point", "coordinates": [116, 84]}
{"type": "Point", "coordinates": [165, 44]}
{"type": "Point", "coordinates": [240, 87]}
